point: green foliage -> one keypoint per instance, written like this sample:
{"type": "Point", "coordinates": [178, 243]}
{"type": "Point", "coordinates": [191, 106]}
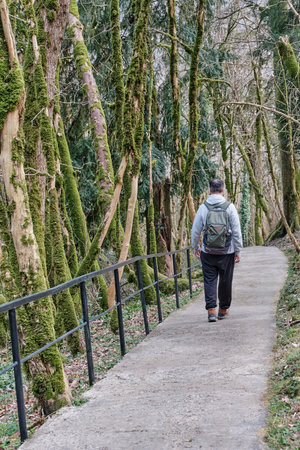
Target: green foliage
{"type": "Point", "coordinates": [284, 388]}
{"type": "Point", "coordinates": [84, 163]}
{"type": "Point", "coordinates": [204, 170]}
{"type": "Point", "coordinates": [158, 172]}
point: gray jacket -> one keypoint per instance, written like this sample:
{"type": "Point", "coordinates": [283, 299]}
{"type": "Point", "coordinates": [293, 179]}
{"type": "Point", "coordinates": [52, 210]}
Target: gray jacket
{"type": "Point", "coordinates": [200, 220]}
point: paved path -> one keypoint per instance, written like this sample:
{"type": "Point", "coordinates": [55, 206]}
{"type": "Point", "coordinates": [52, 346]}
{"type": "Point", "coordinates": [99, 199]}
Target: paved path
{"type": "Point", "coordinates": [190, 384]}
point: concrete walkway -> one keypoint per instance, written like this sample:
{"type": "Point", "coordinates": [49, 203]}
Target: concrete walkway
{"type": "Point", "coordinates": [190, 384]}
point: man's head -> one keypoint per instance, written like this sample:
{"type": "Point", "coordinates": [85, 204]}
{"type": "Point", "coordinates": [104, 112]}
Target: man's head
{"type": "Point", "coordinates": [216, 186]}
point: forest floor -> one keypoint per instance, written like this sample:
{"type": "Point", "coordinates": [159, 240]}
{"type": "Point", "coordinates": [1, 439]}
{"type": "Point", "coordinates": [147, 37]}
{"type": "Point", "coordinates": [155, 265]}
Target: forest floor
{"type": "Point", "coordinates": [283, 426]}
{"type": "Point", "coordinates": [190, 383]}
{"type": "Point", "coordinates": [106, 353]}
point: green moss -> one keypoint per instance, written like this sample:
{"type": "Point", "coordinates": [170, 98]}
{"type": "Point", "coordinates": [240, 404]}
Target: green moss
{"type": "Point", "coordinates": [81, 57]}
{"type": "Point", "coordinates": [51, 15]}
{"type": "Point", "coordinates": [51, 5]}
{"type": "Point", "coordinates": [11, 82]}
{"type": "Point", "coordinates": [103, 293]}
{"type": "Point", "coordinates": [152, 235]}
{"type": "Point", "coordinates": [114, 322]}
{"type": "Point", "coordinates": [26, 240]}
{"type": "Point", "coordinates": [17, 149]}
{"type": "Point", "coordinates": [42, 41]}
{"type": "Point", "coordinates": [117, 71]}
{"type": "Point", "coordinates": [37, 323]}
{"type": "Point", "coordinates": [167, 286]}
{"type": "Point", "coordinates": [137, 250]}
{"type": "Point", "coordinates": [40, 86]}
{"type": "Point", "coordinates": [70, 186]}
{"type": "Point", "coordinates": [74, 8]}
{"type": "Point", "coordinates": [64, 301]}
{"type": "Point", "coordinates": [134, 120]}
{"type": "Point", "coordinates": [104, 176]}
{"type": "Point", "coordinates": [174, 80]}
{"type": "Point", "coordinates": [69, 243]}
{"type": "Point", "coordinates": [9, 268]}
{"type": "Point", "coordinates": [288, 56]}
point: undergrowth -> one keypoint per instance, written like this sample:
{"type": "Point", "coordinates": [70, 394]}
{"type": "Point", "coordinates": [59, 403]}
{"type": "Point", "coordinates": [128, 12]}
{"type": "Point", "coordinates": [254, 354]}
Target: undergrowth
{"type": "Point", "coordinates": [283, 426]}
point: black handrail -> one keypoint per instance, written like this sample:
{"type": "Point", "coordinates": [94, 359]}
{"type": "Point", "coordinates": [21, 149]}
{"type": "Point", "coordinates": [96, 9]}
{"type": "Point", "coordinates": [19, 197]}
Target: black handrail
{"type": "Point", "coordinates": [13, 305]}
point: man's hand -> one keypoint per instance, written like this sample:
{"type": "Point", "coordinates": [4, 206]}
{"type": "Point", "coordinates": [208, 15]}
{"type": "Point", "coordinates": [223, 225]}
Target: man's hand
{"type": "Point", "coordinates": [237, 258]}
{"type": "Point", "coordinates": [198, 253]}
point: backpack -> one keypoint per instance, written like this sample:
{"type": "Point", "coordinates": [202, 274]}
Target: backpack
{"type": "Point", "coordinates": [217, 234]}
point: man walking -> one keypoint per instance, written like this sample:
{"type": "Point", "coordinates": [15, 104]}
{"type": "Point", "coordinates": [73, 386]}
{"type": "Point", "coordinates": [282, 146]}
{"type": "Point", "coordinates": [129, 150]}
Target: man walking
{"type": "Point", "coordinates": [221, 246]}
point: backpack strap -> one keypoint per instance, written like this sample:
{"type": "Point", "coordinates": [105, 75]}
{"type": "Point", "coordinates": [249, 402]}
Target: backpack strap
{"type": "Point", "coordinates": [222, 206]}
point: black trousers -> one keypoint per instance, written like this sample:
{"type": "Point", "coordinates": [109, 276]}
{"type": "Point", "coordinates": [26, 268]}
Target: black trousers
{"type": "Point", "coordinates": [216, 267]}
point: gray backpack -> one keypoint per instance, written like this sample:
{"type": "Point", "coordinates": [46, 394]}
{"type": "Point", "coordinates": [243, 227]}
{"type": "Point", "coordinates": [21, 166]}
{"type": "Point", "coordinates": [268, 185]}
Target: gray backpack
{"type": "Point", "coordinates": [217, 234]}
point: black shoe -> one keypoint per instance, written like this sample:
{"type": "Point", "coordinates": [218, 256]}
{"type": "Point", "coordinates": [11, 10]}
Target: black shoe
{"type": "Point", "coordinates": [212, 318]}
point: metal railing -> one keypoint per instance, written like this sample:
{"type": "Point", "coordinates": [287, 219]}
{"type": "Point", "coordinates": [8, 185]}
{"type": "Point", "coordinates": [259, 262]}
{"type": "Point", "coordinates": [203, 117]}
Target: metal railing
{"type": "Point", "coordinates": [11, 307]}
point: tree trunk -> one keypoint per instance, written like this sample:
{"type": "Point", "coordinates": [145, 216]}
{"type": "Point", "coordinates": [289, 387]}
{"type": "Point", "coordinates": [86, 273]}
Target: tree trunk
{"type": "Point", "coordinates": [127, 237]}
{"type": "Point", "coordinates": [105, 175]}
{"type": "Point", "coordinates": [193, 128]}
{"type": "Point", "coordinates": [35, 320]}
{"type": "Point", "coordinates": [290, 196]}
{"type": "Point", "coordinates": [70, 185]}
{"type": "Point", "coordinates": [275, 185]}
{"type": "Point", "coordinates": [151, 225]}
{"type": "Point", "coordinates": [175, 85]}
{"type": "Point", "coordinates": [259, 196]}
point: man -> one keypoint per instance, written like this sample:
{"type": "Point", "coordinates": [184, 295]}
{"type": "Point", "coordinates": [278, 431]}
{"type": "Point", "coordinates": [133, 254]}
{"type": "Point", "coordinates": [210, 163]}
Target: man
{"type": "Point", "coordinates": [217, 260]}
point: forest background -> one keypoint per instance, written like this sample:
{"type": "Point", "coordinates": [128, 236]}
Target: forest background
{"type": "Point", "coordinates": [114, 116]}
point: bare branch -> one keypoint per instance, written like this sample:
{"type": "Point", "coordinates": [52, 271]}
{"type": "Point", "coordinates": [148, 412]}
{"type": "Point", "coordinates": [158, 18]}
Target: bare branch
{"type": "Point", "coordinates": [293, 9]}
{"type": "Point", "coordinates": [267, 108]}
{"type": "Point", "coordinates": [186, 47]}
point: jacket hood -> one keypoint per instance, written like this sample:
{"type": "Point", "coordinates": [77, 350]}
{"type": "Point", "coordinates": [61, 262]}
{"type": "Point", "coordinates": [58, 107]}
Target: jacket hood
{"type": "Point", "coordinates": [213, 199]}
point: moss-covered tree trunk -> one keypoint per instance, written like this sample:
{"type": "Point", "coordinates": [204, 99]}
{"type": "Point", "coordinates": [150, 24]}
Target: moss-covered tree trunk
{"type": "Point", "coordinates": [9, 272]}
{"type": "Point", "coordinates": [258, 193]}
{"type": "Point", "coordinates": [289, 59]}
{"type": "Point", "coordinates": [77, 216]}
{"type": "Point", "coordinates": [151, 225]}
{"type": "Point", "coordinates": [133, 124]}
{"type": "Point", "coordinates": [175, 85]}
{"type": "Point", "coordinates": [35, 320]}
{"type": "Point", "coordinates": [285, 135]}
{"type": "Point", "coordinates": [257, 163]}
{"type": "Point", "coordinates": [193, 126]}
{"type": "Point", "coordinates": [105, 175]}
{"type": "Point", "coordinates": [111, 207]}
{"type": "Point", "coordinates": [46, 139]}
{"type": "Point", "coordinates": [223, 142]}
{"type": "Point", "coordinates": [162, 201]}
{"type": "Point", "coordinates": [275, 185]}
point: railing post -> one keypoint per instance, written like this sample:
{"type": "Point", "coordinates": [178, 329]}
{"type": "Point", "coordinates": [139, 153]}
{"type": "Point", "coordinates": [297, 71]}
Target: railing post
{"type": "Point", "coordinates": [120, 314]}
{"type": "Point", "coordinates": [189, 271]}
{"type": "Point", "coordinates": [18, 374]}
{"type": "Point", "coordinates": [143, 301]}
{"type": "Point", "coordinates": [87, 333]}
{"type": "Point", "coordinates": [157, 290]}
{"type": "Point", "coordinates": [175, 281]}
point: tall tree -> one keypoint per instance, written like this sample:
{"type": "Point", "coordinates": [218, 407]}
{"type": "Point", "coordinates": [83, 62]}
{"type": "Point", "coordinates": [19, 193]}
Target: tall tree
{"type": "Point", "coordinates": [36, 321]}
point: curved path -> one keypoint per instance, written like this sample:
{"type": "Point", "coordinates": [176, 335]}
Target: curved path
{"type": "Point", "coordinates": [190, 384]}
